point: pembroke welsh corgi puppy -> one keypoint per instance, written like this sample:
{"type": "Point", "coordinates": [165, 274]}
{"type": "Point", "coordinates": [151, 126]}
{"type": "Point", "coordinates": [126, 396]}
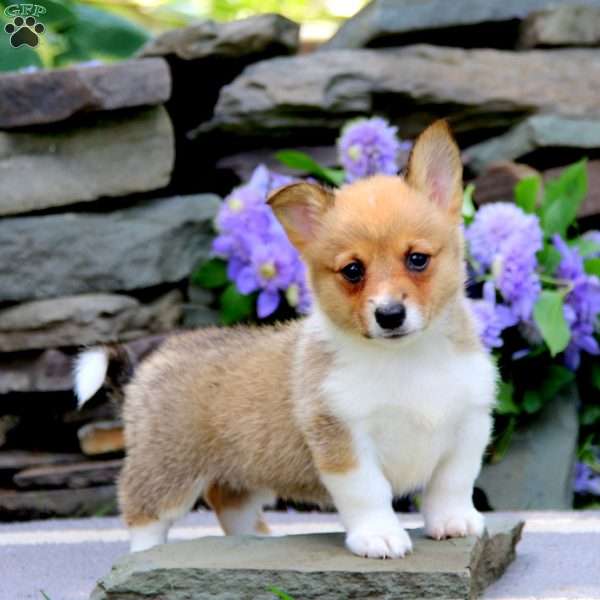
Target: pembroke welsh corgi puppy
{"type": "Point", "coordinates": [384, 389]}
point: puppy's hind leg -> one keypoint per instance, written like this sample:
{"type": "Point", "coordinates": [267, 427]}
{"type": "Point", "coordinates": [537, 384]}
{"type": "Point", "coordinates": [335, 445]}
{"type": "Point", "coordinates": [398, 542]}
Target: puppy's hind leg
{"type": "Point", "coordinates": [150, 504]}
{"type": "Point", "coordinates": [239, 512]}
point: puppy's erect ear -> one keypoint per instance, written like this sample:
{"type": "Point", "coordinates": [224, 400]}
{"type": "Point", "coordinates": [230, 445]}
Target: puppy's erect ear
{"type": "Point", "coordinates": [435, 168]}
{"type": "Point", "coordinates": [299, 207]}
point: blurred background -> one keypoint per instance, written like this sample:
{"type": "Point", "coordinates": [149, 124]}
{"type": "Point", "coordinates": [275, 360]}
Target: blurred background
{"type": "Point", "coordinates": [127, 126]}
{"type": "Point", "coordinates": [99, 30]}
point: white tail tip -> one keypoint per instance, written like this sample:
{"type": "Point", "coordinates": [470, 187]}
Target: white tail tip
{"type": "Point", "coordinates": [89, 373]}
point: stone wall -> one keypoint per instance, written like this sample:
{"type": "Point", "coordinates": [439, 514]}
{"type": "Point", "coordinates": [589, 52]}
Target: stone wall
{"type": "Point", "coordinates": [110, 177]}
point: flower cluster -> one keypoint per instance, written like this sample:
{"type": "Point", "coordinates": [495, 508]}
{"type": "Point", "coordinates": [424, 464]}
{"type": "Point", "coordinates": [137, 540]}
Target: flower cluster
{"type": "Point", "coordinates": [367, 147]}
{"type": "Point", "coordinates": [259, 254]}
{"type": "Point", "coordinates": [586, 480]}
{"type": "Point", "coordinates": [503, 242]}
{"type": "Point", "coordinates": [582, 303]}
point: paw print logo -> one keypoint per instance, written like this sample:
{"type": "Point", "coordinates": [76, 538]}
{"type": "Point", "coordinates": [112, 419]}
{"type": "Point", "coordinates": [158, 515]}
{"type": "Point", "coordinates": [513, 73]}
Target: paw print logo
{"type": "Point", "coordinates": [24, 31]}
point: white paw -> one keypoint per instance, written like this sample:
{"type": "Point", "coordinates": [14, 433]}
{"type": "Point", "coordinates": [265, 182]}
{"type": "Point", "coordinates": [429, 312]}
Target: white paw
{"type": "Point", "coordinates": [454, 524]}
{"type": "Point", "coordinates": [379, 545]}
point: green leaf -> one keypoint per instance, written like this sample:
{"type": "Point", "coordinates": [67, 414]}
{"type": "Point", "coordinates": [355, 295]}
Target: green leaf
{"type": "Point", "coordinates": [590, 415]}
{"type": "Point", "coordinates": [506, 404]}
{"type": "Point", "coordinates": [526, 193]}
{"type": "Point", "coordinates": [100, 34]}
{"type": "Point", "coordinates": [592, 266]}
{"type": "Point", "coordinates": [548, 258]}
{"type": "Point", "coordinates": [563, 197]}
{"type": "Point", "coordinates": [235, 306]}
{"type": "Point", "coordinates": [532, 401]}
{"type": "Point", "coordinates": [502, 442]}
{"type": "Point", "coordinates": [468, 207]}
{"type": "Point", "coordinates": [585, 246]}
{"type": "Point", "coordinates": [281, 595]}
{"type": "Point", "coordinates": [553, 379]}
{"type": "Point", "coordinates": [212, 274]}
{"type": "Point", "coordinates": [549, 317]}
{"type": "Point", "coordinates": [294, 159]}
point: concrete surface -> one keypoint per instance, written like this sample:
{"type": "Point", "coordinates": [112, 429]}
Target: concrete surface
{"type": "Point", "coordinates": [557, 558]}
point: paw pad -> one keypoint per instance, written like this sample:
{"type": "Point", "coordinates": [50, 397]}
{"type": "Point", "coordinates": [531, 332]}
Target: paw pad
{"type": "Point", "coordinates": [24, 31]}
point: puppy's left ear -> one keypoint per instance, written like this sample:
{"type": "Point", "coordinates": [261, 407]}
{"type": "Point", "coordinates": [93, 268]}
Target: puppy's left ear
{"type": "Point", "coordinates": [300, 208]}
{"type": "Point", "coordinates": [435, 168]}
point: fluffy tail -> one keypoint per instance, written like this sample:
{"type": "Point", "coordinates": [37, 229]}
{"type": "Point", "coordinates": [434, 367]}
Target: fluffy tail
{"type": "Point", "coordinates": [109, 367]}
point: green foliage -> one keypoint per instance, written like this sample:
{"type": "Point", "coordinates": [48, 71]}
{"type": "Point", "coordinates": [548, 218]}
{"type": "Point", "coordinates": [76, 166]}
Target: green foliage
{"type": "Point", "coordinates": [592, 266]}
{"type": "Point", "coordinates": [468, 207]}
{"type": "Point", "coordinates": [212, 274]}
{"type": "Point", "coordinates": [549, 317]}
{"type": "Point", "coordinates": [75, 32]}
{"type": "Point", "coordinates": [562, 199]}
{"type": "Point", "coordinates": [281, 595]}
{"type": "Point", "coordinates": [505, 404]}
{"type": "Point", "coordinates": [235, 307]}
{"type": "Point", "coordinates": [303, 162]}
{"type": "Point", "coordinates": [526, 193]}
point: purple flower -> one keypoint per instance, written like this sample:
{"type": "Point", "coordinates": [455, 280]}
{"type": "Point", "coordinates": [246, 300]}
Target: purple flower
{"type": "Point", "coordinates": [367, 147]}
{"type": "Point", "coordinates": [491, 318]}
{"type": "Point", "coordinates": [593, 237]}
{"type": "Point", "coordinates": [586, 480]}
{"type": "Point", "coordinates": [260, 257]}
{"type": "Point", "coordinates": [582, 303]}
{"type": "Point", "coordinates": [516, 277]}
{"type": "Point", "coordinates": [494, 225]}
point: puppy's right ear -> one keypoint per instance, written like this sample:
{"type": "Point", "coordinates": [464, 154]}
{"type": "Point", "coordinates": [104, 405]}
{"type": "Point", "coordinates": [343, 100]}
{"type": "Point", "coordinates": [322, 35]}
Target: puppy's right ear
{"type": "Point", "coordinates": [300, 207]}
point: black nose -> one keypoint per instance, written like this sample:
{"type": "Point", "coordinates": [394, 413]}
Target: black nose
{"type": "Point", "coordinates": [390, 316]}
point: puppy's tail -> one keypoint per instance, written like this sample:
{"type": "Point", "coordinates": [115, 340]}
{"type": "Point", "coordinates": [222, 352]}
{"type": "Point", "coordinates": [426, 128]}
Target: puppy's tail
{"type": "Point", "coordinates": [110, 367]}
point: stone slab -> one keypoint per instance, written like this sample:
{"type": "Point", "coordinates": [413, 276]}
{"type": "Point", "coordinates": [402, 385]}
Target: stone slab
{"type": "Point", "coordinates": [52, 95]}
{"type": "Point", "coordinates": [12, 461]}
{"type": "Point", "coordinates": [562, 25]}
{"type": "Point", "coordinates": [520, 480]}
{"type": "Point", "coordinates": [102, 437]}
{"type": "Point", "coordinates": [105, 156]}
{"type": "Point", "coordinates": [486, 23]}
{"type": "Point", "coordinates": [310, 96]}
{"type": "Point", "coordinates": [310, 567]}
{"type": "Point", "coordinates": [43, 504]}
{"type": "Point", "coordinates": [73, 476]}
{"type": "Point", "coordinates": [264, 33]}
{"type": "Point", "coordinates": [534, 134]}
{"type": "Point", "coordinates": [85, 320]}
{"type": "Point", "coordinates": [154, 242]}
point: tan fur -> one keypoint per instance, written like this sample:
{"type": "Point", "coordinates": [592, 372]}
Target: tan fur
{"type": "Point", "coordinates": [232, 412]}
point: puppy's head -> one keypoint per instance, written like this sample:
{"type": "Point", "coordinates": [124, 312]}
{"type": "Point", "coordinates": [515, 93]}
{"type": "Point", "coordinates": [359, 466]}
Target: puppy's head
{"type": "Point", "coordinates": [385, 253]}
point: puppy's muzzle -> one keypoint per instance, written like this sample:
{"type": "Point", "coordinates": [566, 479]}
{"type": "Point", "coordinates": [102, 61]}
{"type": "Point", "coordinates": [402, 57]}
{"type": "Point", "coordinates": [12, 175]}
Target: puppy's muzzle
{"type": "Point", "coordinates": [390, 316]}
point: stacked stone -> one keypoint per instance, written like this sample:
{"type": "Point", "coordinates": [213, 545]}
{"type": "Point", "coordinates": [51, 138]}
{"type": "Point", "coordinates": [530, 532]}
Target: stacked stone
{"type": "Point", "coordinates": [100, 228]}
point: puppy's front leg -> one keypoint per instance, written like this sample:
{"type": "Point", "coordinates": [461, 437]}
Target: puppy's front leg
{"type": "Point", "coordinates": [448, 499]}
{"type": "Point", "coordinates": [363, 498]}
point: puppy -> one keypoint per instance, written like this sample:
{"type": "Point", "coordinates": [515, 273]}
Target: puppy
{"type": "Point", "coordinates": [384, 389]}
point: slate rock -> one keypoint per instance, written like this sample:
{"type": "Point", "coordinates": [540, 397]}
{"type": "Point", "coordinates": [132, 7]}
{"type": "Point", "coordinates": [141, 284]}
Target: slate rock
{"type": "Point", "coordinates": [310, 96]}
{"type": "Point", "coordinates": [12, 461]}
{"type": "Point", "coordinates": [72, 476]}
{"type": "Point", "coordinates": [591, 204]}
{"type": "Point", "coordinates": [541, 132]}
{"type": "Point", "coordinates": [496, 183]}
{"type": "Point", "coordinates": [102, 437]}
{"type": "Point", "coordinates": [472, 23]}
{"type": "Point", "coordinates": [45, 504]}
{"type": "Point", "coordinates": [310, 567]}
{"type": "Point", "coordinates": [101, 156]}
{"type": "Point", "coordinates": [264, 33]}
{"type": "Point", "coordinates": [155, 242]}
{"type": "Point", "coordinates": [563, 25]}
{"type": "Point", "coordinates": [537, 471]}
{"type": "Point", "coordinates": [51, 95]}
{"type": "Point", "coordinates": [47, 371]}
{"type": "Point", "coordinates": [86, 319]}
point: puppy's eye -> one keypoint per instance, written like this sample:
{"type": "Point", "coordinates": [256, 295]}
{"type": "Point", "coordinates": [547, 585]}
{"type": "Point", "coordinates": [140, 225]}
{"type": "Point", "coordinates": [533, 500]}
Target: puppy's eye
{"type": "Point", "coordinates": [353, 272]}
{"type": "Point", "coordinates": [416, 261]}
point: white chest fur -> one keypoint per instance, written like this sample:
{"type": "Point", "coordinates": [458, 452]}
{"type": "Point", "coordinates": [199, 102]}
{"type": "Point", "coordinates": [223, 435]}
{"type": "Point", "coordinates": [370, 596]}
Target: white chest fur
{"type": "Point", "coordinates": [407, 400]}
